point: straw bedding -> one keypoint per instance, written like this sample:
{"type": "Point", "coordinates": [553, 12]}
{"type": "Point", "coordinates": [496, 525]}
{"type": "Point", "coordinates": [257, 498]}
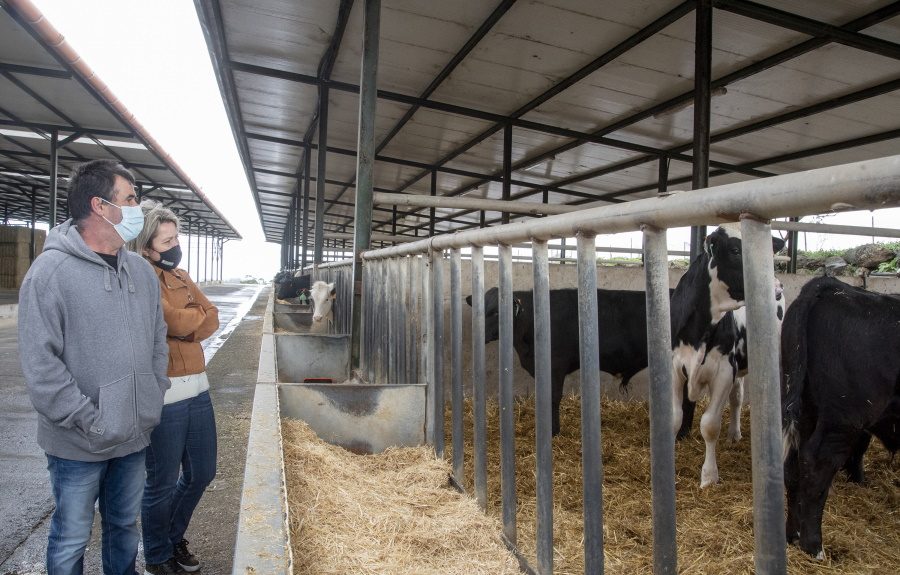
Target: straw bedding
{"type": "Point", "coordinates": [861, 526]}
{"type": "Point", "coordinates": [390, 513]}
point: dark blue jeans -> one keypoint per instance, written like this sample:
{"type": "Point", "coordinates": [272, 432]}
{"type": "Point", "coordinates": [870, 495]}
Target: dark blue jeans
{"type": "Point", "coordinates": [181, 462]}
{"type": "Point", "coordinates": [77, 485]}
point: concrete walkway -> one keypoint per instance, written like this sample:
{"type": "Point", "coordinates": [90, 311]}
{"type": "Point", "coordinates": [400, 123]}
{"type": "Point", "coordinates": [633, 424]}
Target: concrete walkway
{"type": "Point", "coordinates": [25, 497]}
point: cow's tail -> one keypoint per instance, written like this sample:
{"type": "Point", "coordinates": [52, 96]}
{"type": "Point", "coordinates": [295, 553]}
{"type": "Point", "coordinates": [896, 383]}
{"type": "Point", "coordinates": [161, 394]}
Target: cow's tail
{"type": "Point", "coordinates": [794, 363]}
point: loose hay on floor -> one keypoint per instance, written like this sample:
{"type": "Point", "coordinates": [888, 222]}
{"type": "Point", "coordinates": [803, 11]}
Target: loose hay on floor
{"type": "Point", "coordinates": [861, 528]}
{"type": "Point", "coordinates": [391, 513]}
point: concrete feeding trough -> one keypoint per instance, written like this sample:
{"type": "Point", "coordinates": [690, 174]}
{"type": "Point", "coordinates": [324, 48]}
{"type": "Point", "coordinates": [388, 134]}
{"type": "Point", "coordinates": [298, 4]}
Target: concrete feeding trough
{"type": "Point", "coordinates": [359, 417]}
{"type": "Point", "coordinates": [293, 321]}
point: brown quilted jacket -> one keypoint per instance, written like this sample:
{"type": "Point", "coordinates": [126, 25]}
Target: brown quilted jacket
{"type": "Point", "coordinates": [190, 318]}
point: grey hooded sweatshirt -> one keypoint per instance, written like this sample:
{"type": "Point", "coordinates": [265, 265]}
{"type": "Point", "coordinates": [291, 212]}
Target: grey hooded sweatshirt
{"type": "Point", "coordinates": [92, 341]}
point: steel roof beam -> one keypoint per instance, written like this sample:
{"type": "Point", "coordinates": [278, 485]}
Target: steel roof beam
{"type": "Point", "coordinates": [34, 71]}
{"type": "Point", "coordinates": [809, 26]}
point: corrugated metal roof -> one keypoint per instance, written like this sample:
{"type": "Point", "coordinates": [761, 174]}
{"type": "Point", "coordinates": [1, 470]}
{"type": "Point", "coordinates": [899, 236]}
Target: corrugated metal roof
{"type": "Point", "coordinates": [46, 88]}
{"type": "Point", "coordinates": [795, 86]}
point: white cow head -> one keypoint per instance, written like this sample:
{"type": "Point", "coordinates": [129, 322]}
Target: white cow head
{"type": "Point", "coordinates": [322, 294]}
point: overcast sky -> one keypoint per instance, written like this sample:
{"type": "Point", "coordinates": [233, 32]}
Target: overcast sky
{"type": "Point", "coordinates": [153, 56]}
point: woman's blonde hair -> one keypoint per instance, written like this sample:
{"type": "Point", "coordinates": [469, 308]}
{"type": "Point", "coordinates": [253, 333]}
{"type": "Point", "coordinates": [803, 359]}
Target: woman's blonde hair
{"type": "Point", "coordinates": [154, 214]}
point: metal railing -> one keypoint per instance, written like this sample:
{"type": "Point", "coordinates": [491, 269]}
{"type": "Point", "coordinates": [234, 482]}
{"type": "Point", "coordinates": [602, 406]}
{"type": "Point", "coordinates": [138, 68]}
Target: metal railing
{"type": "Point", "coordinates": [341, 274]}
{"type": "Point", "coordinates": [404, 291]}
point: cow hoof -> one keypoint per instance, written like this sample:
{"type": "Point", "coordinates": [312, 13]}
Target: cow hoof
{"type": "Point", "coordinates": [707, 479]}
{"type": "Point", "coordinates": [734, 437]}
{"type": "Point", "coordinates": [820, 556]}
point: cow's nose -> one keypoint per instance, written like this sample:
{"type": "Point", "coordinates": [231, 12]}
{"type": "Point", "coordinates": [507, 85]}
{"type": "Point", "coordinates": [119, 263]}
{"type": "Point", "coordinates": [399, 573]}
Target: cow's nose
{"type": "Point", "coordinates": [317, 318]}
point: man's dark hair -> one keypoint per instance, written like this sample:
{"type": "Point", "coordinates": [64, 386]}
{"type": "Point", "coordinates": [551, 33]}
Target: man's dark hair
{"type": "Point", "coordinates": [96, 178]}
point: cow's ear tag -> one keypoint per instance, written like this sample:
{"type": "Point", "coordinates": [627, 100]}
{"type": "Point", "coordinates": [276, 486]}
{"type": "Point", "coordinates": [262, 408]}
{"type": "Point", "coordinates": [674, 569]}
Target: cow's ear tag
{"type": "Point", "coordinates": [517, 307]}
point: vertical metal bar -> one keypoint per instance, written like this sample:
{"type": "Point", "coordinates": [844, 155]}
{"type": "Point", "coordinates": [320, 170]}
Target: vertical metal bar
{"type": "Point", "coordinates": [507, 413]}
{"type": "Point", "coordinates": [437, 299]}
{"type": "Point", "coordinates": [478, 379]}
{"type": "Point", "coordinates": [591, 449]}
{"type": "Point", "coordinates": [54, 173]}
{"type": "Point", "coordinates": [764, 381]}
{"type": "Point", "coordinates": [304, 234]}
{"type": "Point", "coordinates": [507, 167]}
{"type": "Point", "coordinates": [428, 317]}
{"type": "Point", "coordinates": [793, 240]}
{"type": "Point", "coordinates": [365, 359]}
{"type": "Point", "coordinates": [381, 324]}
{"type": "Point", "coordinates": [431, 212]}
{"type": "Point", "coordinates": [662, 181]}
{"type": "Point", "coordinates": [32, 248]}
{"type": "Point", "coordinates": [365, 157]}
{"type": "Point", "coordinates": [662, 439]}
{"type": "Point", "coordinates": [456, 363]}
{"type": "Point", "coordinates": [415, 345]}
{"type": "Point", "coordinates": [543, 408]}
{"type": "Point", "coordinates": [319, 241]}
{"type": "Point", "coordinates": [402, 299]}
{"type": "Point", "coordinates": [198, 251]}
{"type": "Point", "coordinates": [702, 78]}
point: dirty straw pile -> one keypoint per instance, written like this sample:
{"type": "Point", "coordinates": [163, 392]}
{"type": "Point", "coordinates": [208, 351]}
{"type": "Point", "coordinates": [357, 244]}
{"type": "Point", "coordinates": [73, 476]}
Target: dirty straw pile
{"type": "Point", "coordinates": [391, 513]}
{"type": "Point", "coordinates": [861, 528]}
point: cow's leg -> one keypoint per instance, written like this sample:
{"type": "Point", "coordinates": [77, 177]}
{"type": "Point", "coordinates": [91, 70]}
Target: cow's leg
{"type": "Point", "coordinates": [854, 464]}
{"type": "Point", "coordinates": [823, 456]}
{"type": "Point", "coordinates": [687, 408]}
{"type": "Point", "coordinates": [679, 399]}
{"type": "Point", "coordinates": [792, 481]}
{"type": "Point", "coordinates": [711, 424]}
{"type": "Point", "coordinates": [737, 401]}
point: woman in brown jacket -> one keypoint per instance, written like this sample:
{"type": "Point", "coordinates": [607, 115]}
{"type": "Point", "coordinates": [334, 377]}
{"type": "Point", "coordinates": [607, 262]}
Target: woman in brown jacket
{"type": "Point", "coordinates": [181, 458]}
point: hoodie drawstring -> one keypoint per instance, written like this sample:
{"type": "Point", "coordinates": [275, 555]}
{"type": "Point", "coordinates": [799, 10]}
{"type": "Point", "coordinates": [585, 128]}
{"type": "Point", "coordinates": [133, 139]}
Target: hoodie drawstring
{"type": "Point", "coordinates": [128, 273]}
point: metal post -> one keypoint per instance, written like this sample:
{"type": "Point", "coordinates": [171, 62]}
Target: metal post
{"type": "Point", "coordinates": [431, 212]}
{"type": "Point", "coordinates": [187, 221]}
{"type": "Point", "coordinates": [365, 158]}
{"type": "Point", "coordinates": [507, 167]}
{"type": "Point", "coordinates": [437, 301]}
{"type": "Point", "coordinates": [221, 259]}
{"type": "Point", "coordinates": [662, 439]}
{"type": "Point", "coordinates": [320, 173]}
{"type": "Point", "coordinates": [591, 448]}
{"type": "Point", "coordinates": [54, 176]}
{"type": "Point", "coordinates": [543, 408]}
{"type": "Point", "coordinates": [793, 240]}
{"type": "Point", "coordinates": [304, 234]}
{"type": "Point", "coordinates": [478, 379]}
{"type": "Point", "coordinates": [662, 185]}
{"type": "Point", "coordinates": [764, 381]}
{"type": "Point", "coordinates": [32, 247]}
{"type": "Point", "coordinates": [428, 356]}
{"type": "Point", "coordinates": [198, 251]}
{"type": "Point", "coordinates": [507, 413]}
{"type": "Point", "coordinates": [456, 364]}
{"type": "Point", "coordinates": [702, 76]}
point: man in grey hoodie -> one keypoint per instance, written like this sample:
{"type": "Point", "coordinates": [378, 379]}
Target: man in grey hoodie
{"type": "Point", "coordinates": [92, 342]}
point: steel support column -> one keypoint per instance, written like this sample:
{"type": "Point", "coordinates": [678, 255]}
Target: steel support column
{"type": "Point", "coordinates": [702, 78]}
{"type": "Point", "coordinates": [320, 174]}
{"type": "Point", "coordinates": [304, 234]}
{"type": "Point", "coordinates": [54, 168]}
{"type": "Point", "coordinates": [507, 168]}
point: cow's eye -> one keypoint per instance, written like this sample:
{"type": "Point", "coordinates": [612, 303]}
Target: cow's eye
{"type": "Point", "coordinates": [736, 251]}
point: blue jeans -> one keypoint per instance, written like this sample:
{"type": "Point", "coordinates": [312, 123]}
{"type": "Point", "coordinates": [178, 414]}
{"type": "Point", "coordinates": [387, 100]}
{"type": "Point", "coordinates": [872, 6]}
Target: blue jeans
{"type": "Point", "coordinates": [118, 484]}
{"type": "Point", "coordinates": [181, 462]}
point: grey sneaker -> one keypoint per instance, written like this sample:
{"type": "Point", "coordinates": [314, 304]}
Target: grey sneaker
{"type": "Point", "coordinates": [185, 558]}
{"type": "Point", "coordinates": [165, 568]}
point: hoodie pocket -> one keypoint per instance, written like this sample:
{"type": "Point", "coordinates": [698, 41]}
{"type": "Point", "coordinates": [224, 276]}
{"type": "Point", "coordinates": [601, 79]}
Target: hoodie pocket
{"type": "Point", "coordinates": [149, 401]}
{"type": "Point", "coordinates": [115, 423]}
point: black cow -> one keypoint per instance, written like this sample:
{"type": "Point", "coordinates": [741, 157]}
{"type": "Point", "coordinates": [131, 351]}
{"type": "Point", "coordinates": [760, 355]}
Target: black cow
{"type": "Point", "coordinates": [290, 287]}
{"type": "Point", "coordinates": [840, 349]}
{"type": "Point", "coordinates": [709, 340]}
{"type": "Point", "coordinates": [621, 317]}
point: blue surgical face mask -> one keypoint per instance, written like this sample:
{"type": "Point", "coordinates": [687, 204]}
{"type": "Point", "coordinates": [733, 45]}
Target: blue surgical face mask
{"type": "Point", "coordinates": [132, 221]}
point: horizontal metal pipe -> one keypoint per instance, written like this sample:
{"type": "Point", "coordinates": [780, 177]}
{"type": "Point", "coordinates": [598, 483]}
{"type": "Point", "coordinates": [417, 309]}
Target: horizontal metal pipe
{"type": "Point", "coordinates": [872, 184]}
{"type": "Point", "coordinates": [511, 207]}
{"type": "Point", "coordinates": [375, 237]}
{"type": "Point", "coordinates": [836, 229]}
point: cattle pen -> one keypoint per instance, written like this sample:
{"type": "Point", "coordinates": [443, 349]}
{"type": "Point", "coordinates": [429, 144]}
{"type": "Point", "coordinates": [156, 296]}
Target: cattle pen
{"type": "Point", "coordinates": [404, 303]}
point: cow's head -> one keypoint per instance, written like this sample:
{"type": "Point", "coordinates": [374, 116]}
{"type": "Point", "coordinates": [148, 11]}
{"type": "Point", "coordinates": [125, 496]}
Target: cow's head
{"type": "Point", "coordinates": [492, 313]}
{"type": "Point", "coordinates": [322, 294]}
{"type": "Point", "coordinates": [726, 268]}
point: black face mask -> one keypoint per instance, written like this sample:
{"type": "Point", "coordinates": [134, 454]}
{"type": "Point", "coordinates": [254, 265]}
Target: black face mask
{"type": "Point", "coordinates": [169, 259]}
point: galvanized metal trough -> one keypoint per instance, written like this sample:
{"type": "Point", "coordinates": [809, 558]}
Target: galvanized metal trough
{"type": "Point", "coordinates": [362, 418]}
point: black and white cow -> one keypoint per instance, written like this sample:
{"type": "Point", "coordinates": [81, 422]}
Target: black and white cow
{"type": "Point", "coordinates": [290, 287]}
{"type": "Point", "coordinates": [840, 350]}
{"type": "Point", "coordinates": [621, 317]}
{"type": "Point", "coordinates": [709, 340]}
